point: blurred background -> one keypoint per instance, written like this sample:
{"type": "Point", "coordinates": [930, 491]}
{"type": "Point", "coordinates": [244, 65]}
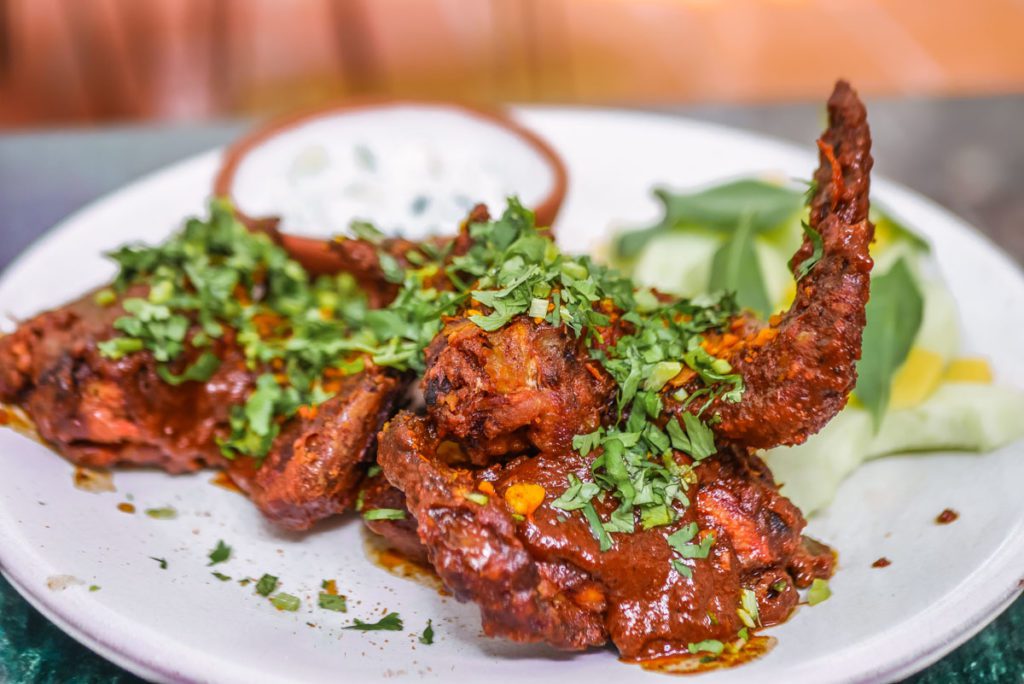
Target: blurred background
{"type": "Point", "coordinates": [70, 62]}
{"type": "Point", "coordinates": [96, 93]}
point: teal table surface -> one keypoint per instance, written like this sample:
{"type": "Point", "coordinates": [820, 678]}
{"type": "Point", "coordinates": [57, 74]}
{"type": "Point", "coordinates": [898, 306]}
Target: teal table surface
{"type": "Point", "coordinates": [966, 154]}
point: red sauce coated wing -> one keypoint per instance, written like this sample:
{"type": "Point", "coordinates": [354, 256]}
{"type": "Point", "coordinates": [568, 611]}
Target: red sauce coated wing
{"type": "Point", "coordinates": [800, 370]}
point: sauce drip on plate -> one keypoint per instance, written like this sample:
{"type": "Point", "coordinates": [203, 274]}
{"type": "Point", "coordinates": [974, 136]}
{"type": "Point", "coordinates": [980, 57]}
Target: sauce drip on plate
{"type": "Point", "coordinates": [697, 663]}
{"type": "Point", "coordinates": [384, 556]}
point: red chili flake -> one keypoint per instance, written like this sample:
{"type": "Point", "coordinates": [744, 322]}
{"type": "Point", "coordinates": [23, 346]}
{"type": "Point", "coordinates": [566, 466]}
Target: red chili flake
{"type": "Point", "coordinates": [947, 516]}
{"type": "Point", "coordinates": [838, 186]}
{"type": "Point", "coordinates": [882, 562]}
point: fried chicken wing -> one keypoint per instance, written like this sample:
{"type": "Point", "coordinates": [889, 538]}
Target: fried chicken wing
{"type": "Point", "coordinates": [522, 386]}
{"type": "Point", "coordinates": [99, 412]}
{"type": "Point", "coordinates": [534, 384]}
{"type": "Point", "coordinates": [540, 576]}
{"type": "Point", "coordinates": [314, 469]}
{"type": "Point", "coordinates": [800, 370]}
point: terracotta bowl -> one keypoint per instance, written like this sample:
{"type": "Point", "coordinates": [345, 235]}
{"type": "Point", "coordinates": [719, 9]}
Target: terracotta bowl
{"type": "Point", "coordinates": [265, 151]}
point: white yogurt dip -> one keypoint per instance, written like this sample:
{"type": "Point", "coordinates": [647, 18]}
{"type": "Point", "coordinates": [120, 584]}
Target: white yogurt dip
{"type": "Point", "coordinates": [411, 170]}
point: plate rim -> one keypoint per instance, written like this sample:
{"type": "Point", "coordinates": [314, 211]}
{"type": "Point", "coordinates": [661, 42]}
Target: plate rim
{"type": "Point", "coordinates": [928, 649]}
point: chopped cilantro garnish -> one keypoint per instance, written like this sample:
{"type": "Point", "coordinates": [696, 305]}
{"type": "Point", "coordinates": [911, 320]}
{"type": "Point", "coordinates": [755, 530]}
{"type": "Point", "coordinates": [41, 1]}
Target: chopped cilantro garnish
{"type": "Point", "coordinates": [200, 371]}
{"type": "Point", "coordinates": [162, 562]}
{"type": "Point", "coordinates": [700, 550]}
{"type": "Point", "coordinates": [165, 513]}
{"type": "Point", "coordinates": [683, 535]}
{"type": "Point", "coordinates": [94, 587]}
{"type": "Point", "coordinates": [390, 622]}
{"type": "Point", "coordinates": [707, 646]}
{"type": "Point", "coordinates": [266, 585]}
{"type": "Point", "coordinates": [818, 592]}
{"type": "Point", "coordinates": [393, 271]}
{"type": "Point", "coordinates": [222, 577]}
{"type": "Point", "coordinates": [105, 297]}
{"type": "Point", "coordinates": [333, 602]}
{"type": "Point", "coordinates": [216, 275]}
{"type": "Point", "coordinates": [366, 231]}
{"type": "Point", "coordinates": [219, 554]}
{"type": "Point", "coordinates": [748, 611]}
{"type": "Point", "coordinates": [577, 495]}
{"type": "Point", "coordinates": [597, 528]}
{"type": "Point", "coordinates": [586, 443]}
{"type": "Point", "coordinates": [384, 514]}
{"type": "Point", "coordinates": [427, 638]}
{"type": "Point", "coordinates": [818, 249]}
{"type": "Point", "coordinates": [680, 543]}
{"type": "Point", "coordinates": [538, 308]}
{"type": "Point", "coordinates": [286, 602]}
{"type": "Point", "coordinates": [478, 498]}
{"type": "Point", "coordinates": [697, 439]}
{"type": "Point", "coordinates": [682, 568]}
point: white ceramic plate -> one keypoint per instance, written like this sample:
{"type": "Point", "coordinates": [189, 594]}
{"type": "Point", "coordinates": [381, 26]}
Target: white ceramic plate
{"type": "Point", "coordinates": [944, 584]}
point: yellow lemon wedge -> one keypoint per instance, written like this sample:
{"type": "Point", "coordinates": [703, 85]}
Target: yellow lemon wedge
{"type": "Point", "coordinates": [917, 378]}
{"type": "Point", "coordinates": [969, 370]}
{"type": "Point", "coordinates": [884, 235]}
{"type": "Point", "coordinates": [787, 298]}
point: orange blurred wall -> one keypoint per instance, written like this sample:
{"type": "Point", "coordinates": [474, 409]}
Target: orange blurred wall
{"type": "Point", "coordinates": [64, 61]}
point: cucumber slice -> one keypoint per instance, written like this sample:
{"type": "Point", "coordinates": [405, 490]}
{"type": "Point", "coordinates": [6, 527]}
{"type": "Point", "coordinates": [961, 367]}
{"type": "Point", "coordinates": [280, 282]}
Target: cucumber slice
{"type": "Point", "coordinates": [679, 263]}
{"type": "Point", "coordinates": [956, 417]}
{"type": "Point", "coordinates": [940, 323]}
{"type": "Point", "coordinates": [811, 473]}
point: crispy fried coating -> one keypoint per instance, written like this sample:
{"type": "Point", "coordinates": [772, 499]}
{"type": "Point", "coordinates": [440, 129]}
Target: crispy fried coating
{"type": "Point", "coordinates": [314, 468]}
{"type": "Point", "coordinates": [524, 385]}
{"type": "Point", "coordinates": [800, 370]}
{"type": "Point", "coordinates": [101, 412]}
{"type": "Point", "coordinates": [529, 384]}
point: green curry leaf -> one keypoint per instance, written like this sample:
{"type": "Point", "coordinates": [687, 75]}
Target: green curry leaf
{"type": "Point", "coordinates": [736, 268]}
{"type": "Point", "coordinates": [894, 314]}
{"type": "Point", "coordinates": [718, 208]}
